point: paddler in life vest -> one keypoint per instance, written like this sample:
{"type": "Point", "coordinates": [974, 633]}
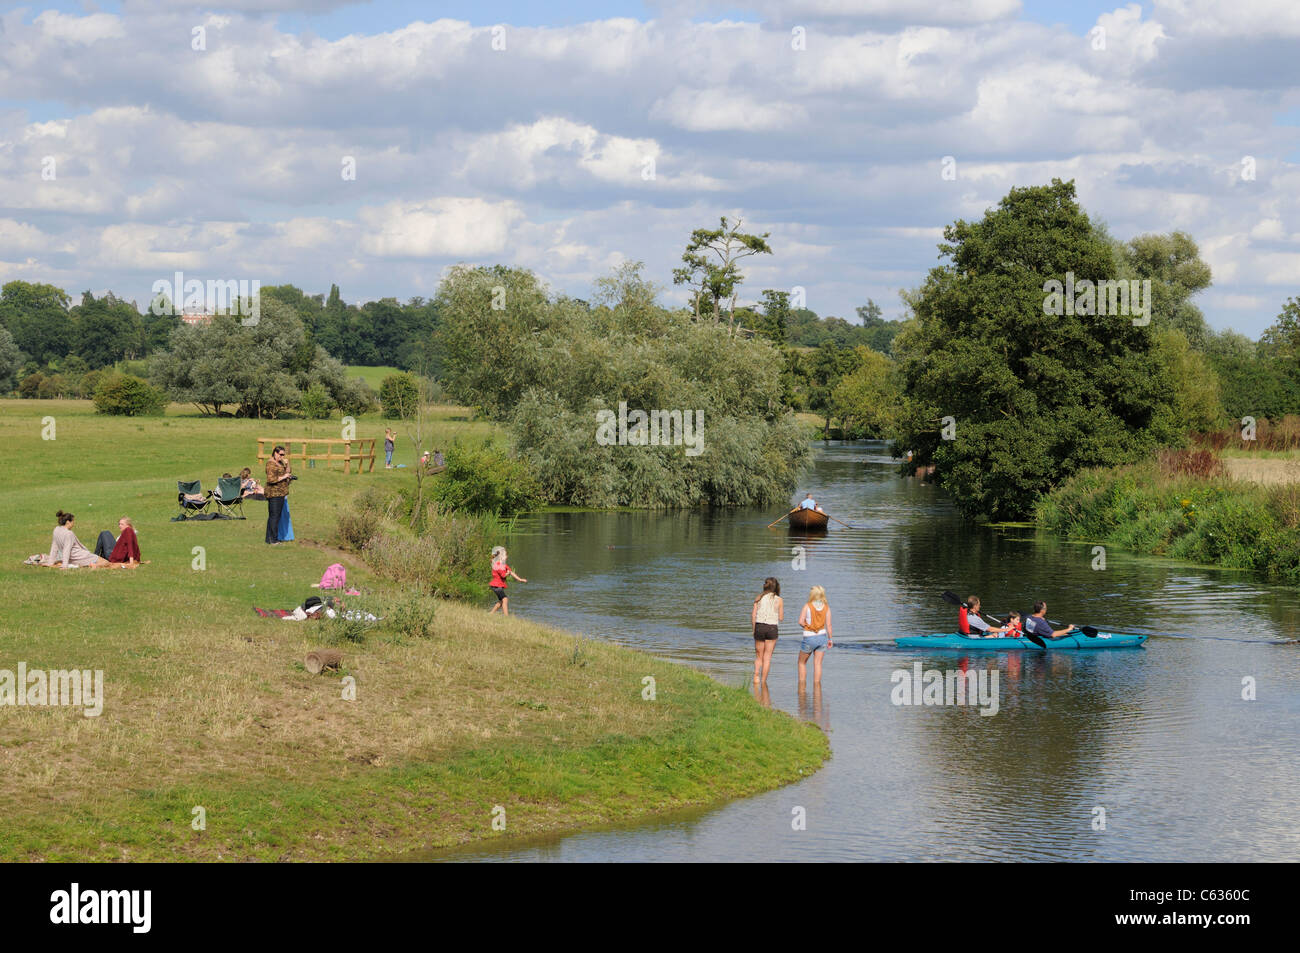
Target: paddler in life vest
{"type": "Point", "coordinates": [970, 623]}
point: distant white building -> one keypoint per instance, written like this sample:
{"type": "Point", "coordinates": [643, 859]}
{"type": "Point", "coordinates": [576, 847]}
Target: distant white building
{"type": "Point", "coordinates": [197, 317]}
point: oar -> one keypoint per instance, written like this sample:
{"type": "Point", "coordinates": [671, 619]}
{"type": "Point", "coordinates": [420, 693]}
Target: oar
{"type": "Point", "coordinates": [1088, 630]}
{"type": "Point", "coordinates": [778, 519]}
{"type": "Point", "coordinates": [958, 601]}
{"type": "Point", "coordinates": [841, 522]}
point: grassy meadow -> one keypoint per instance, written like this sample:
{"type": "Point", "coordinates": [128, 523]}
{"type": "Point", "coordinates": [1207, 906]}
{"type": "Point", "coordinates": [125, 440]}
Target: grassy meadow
{"type": "Point", "coordinates": [207, 705]}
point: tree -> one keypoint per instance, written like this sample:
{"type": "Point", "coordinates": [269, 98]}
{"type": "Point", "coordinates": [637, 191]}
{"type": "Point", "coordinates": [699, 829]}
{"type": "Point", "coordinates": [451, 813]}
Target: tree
{"type": "Point", "coordinates": [866, 400]}
{"type": "Point", "coordinates": [37, 317]}
{"type": "Point", "coordinates": [1004, 397]}
{"type": "Point", "coordinates": [106, 330]}
{"type": "Point", "coordinates": [719, 281]}
{"type": "Point", "coordinates": [11, 361]}
{"type": "Point", "coordinates": [399, 396]}
{"type": "Point", "coordinates": [776, 315]}
{"type": "Point", "coordinates": [1173, 264]}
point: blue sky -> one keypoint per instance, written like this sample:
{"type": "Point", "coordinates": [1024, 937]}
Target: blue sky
{"type": "Point", "coordinates": [226, 161]}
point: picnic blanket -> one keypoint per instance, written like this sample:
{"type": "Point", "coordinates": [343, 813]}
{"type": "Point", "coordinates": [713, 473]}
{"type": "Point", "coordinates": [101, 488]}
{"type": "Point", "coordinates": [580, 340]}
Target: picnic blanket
{"type": "Point", "coordinates": [272, 613]}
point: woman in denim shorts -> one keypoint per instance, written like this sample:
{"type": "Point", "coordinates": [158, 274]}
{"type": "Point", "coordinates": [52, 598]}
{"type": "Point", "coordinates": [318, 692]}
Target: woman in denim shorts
{"type": "Point", "coordinates": [815, 620]}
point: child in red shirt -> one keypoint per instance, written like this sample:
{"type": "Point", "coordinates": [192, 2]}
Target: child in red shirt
{"type": "Point", "coordinates": [500, 570]}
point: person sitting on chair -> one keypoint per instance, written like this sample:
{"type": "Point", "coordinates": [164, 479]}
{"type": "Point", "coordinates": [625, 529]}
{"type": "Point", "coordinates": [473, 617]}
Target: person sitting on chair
{"type": "Point", "coordinates": [247, 485]}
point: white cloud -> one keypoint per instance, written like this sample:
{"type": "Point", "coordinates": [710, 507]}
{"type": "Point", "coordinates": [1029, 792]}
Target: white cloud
{"type": "Point", "coordinates": [441, 227]}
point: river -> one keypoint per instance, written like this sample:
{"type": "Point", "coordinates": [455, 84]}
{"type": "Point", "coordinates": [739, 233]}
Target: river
{"type": "Point", "coordinates": [1148, 754]}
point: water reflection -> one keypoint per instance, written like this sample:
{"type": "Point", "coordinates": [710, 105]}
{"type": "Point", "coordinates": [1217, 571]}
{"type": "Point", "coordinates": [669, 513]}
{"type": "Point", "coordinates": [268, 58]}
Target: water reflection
{"type": "Point", "coordinates": [817, 711]}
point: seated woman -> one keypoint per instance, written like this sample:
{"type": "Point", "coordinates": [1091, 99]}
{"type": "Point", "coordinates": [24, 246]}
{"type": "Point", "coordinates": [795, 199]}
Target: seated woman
{"type": "Point", "coordinates": [126, 554]}
{"type": "Point", "coordinates": [248, 486]}
{"type": "Point", "coordinates": [66, 550]}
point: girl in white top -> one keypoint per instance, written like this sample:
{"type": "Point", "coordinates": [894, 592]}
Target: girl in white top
{"type": "Point", "coordinates": [769, 609]}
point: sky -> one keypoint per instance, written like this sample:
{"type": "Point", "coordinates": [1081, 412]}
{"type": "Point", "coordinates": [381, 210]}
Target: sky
{"type": "Point", "coordinates": [138, 139]}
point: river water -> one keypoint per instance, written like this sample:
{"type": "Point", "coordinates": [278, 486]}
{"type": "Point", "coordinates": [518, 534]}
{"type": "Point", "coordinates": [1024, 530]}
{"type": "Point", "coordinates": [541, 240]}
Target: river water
{"type": "Point", "coordinates": [1147, 754]}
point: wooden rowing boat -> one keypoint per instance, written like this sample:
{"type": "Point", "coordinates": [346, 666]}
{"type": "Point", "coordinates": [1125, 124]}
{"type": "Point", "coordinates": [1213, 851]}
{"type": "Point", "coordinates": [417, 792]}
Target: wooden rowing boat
{"type": "Point", "coordinates": [808, 520]}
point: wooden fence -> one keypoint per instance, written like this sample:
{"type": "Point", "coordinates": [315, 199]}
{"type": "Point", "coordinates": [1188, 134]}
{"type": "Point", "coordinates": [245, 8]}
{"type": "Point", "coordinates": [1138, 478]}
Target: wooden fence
{"type": "Point", "coordinates": [300, 449]}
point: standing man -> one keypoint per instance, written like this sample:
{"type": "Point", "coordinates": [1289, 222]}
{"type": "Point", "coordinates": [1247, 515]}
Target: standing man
{"type": "Point", "coordinates": [277, 491]}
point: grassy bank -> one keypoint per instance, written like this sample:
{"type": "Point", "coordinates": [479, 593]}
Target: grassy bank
{"type": "Point", "coordinates": [208, 705]}
{"type": "Point", "coordinates": [1214, 520]}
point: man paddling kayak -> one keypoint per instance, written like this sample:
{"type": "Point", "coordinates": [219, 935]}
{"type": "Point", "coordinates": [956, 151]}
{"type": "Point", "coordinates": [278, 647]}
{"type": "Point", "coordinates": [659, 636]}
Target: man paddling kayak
{"type": "Point", "coordinates": [1039, 626]}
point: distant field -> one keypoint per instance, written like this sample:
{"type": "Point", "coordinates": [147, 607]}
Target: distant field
{"type": "Point", "coordinates": [1274, 469]}
{"type": "Point", "coordinates": [374, 376]}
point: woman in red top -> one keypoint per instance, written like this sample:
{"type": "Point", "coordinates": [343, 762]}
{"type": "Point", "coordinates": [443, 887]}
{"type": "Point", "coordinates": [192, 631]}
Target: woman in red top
{"type": "Point", "coordinates": [127, 551]}
{"type": "Point", "coordinates": [499, 572]}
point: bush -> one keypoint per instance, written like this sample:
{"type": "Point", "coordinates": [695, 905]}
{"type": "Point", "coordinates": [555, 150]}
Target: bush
{"type": "Point", "coordinates": [90, 382]}
{"type": "Point", "coordinates": [359, 524]}
{"type": "Point", "coordinates": [486, 479]}
{"type": "Point", "coordinates": [126, 396]}
{"type": "Point", "coordinates": [1200, 464]}
{"type": "Point", "coordinates": [339, 629]}
{"type": "Point", "coordinates": [316, 403]}
{"type": "Point", "coordinates": [399, 395]}
{"type": "Point", "coordinates": [413, 616]}
{"type": "Point", "coordinates": [356, 398]}
{"type": "Point", "coordinates": [1163, 509]}
{"type": "Point", "coordinates": [448, 559]}
{"type": "Point", "coordinates": [30, 386]}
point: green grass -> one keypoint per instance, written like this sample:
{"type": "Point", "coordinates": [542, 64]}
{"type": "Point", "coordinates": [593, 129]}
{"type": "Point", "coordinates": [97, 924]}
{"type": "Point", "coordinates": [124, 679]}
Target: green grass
{"type": "Point", "coordinates": [209, 706]}
{"type": "Point", "coordinates": [374, 376]}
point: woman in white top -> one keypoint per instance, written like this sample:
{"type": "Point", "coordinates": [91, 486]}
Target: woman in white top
{"type": "Point", "coordinates": [769, 609]}
{"type": "Point", "coordinates": [66, 550]}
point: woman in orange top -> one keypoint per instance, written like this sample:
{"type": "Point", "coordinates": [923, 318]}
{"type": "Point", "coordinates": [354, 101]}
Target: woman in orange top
{"type": "Point", "coordinates": [815, 620]}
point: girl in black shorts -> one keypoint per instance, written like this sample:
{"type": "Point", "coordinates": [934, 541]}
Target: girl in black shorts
{"type": "Point", "coordinates": [769, 609]}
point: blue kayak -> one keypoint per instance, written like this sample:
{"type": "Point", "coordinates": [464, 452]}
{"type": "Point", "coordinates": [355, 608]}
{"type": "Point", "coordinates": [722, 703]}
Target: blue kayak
{"type": "Point", "coordinates": [1075, 640]}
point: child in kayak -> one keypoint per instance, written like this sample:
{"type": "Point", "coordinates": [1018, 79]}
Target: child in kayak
{"type": "Point", "coordinates": [499, 572]}
{"type": "Point", "coordinates": [1015, 629]}
{"type": "Point", "coordinates": [815, 620]}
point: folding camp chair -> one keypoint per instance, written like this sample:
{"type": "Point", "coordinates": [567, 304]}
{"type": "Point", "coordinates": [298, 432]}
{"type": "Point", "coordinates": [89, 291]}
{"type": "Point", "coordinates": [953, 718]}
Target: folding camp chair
{"type": "Point", "coordinates": [191, 507]}
{"type": "Point", "coordinates": [229, 497]}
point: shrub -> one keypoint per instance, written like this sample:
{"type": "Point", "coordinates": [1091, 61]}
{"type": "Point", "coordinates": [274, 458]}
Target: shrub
{"type": "Point", "coordinates": [356, 398]}
{"type": "Point", "coordinates": [1199, 464]}
{"type": "Point", "coordinates": [89, 383]}
{"type": "Point", "coordinates": [447, 558]}
{"type": "Point", "coordinates": [413, 616]}
{"type": "Point", "coordinates": [486, 479]}
{"type": "Point", "coordinates": [121, 395]}
{"type": "Point", "coordinates": [316, 403]}
{"type": "Point", "coordinates": [339, 629]}
{"type": "Point", "coordinates": [399, 395]}
{"type": "Point", "coordinates": [360, 522]}
{"type": "Point", "coordinates": [30, 386]}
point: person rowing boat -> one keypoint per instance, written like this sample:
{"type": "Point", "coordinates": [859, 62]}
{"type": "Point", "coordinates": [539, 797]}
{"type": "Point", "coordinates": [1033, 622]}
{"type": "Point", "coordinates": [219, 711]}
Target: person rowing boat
{"type": "Point", "coordinates": [1038, 624]}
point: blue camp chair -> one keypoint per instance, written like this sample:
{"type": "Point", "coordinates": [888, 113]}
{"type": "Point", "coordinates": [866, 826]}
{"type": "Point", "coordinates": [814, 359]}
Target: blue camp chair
{"type": "Point", "coordinates": [229, 497]}
{"type": "Point", "coordinates": [191, 507]}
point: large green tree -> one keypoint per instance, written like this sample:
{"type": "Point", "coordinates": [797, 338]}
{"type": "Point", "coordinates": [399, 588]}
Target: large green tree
{"type": "Point", "coordinates": [1006, 398]}
{"type": "Point", "coordinates": [37, 317]}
